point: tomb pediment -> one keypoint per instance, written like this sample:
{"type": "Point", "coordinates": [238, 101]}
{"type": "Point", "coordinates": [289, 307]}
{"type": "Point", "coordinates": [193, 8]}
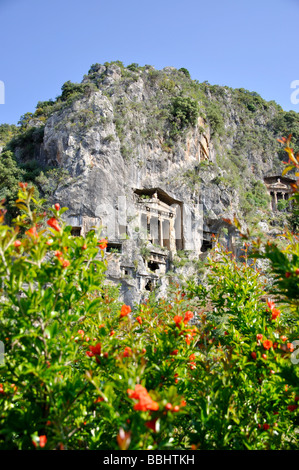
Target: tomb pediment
{"type": "Point", "coordinates": [278, 185]}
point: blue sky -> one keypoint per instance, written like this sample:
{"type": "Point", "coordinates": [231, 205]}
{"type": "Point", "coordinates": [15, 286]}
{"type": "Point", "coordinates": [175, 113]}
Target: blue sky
{"type": "Point", "coordinates": [249, 44]}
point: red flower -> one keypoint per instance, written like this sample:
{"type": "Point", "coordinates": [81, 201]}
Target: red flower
{"type": "Point", "coordinates": [283, 338]}
{"type": "Point", "coordinates": [253, 355]}
{"type": "Point", "coordinates": [192, 357]}
{"type": "Point", "coordinates": [174, 352]}
{"type": "Point", "coordinates": [127, 352]}
{"type": "Point", "coordinates": [288, 274]}
{"type": "Point", "coordinates": [266, 426]}
{"type": "Point", "coordinates": [139, 319]}
{"type": "Point", "coordinates": [270, 304]}
{"type": "Point", "coordinates": [57, 207]}
{"type": "Point", "coordinates": [267, 344]}
{"type": "Point", "coordinates": [99, 399]}
{"type": "Point", "coordinates": [96, 350]}
{"type": "Point", "coordinates": [264, 356]}
{"type": "Point", "coordinates": [102, 244]}
{"type": "Point", "coordinates": [292, 407]}
{"type": "Point", "coordinates": [58, 253]}
{"type": "Point", "coordinates": [53, 223]}
{"type": "Point", "coordinates": [125, 310]}
{"type": "Point", "coordinates": [259, 337]}
{"type": "Point", "coordinates": [290, 346]}
{"type": "Point", "coordinates": [17, 243]}
{"type": "Point", "coordinates": [151, 424]}
{"type": "Point", "coordinates": [23, 185]}
{"type": "Point", "coordinates": [168, 406]}
{"type": "Point", "coordinates": [188, 316]}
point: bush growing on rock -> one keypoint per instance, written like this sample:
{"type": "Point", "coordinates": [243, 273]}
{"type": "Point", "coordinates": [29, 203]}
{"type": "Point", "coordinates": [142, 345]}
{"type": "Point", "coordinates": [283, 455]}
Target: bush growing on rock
{"type": "Point", "coordinates": [209, 367]}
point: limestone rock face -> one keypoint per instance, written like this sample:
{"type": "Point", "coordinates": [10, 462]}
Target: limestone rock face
{"type": "Point", "coordinates": [153, 196]}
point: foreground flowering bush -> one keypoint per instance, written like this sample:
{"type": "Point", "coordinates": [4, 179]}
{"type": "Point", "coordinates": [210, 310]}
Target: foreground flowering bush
{"type": "Point", "coordinates": [205, 368]}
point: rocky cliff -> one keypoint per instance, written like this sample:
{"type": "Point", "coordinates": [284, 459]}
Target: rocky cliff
{"type": "Point", "coordinates": [158, 161]}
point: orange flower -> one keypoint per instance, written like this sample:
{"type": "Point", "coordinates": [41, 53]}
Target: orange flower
{"type": "Point", "coordinates": [53, 223]}
{"type": "Point", "coordinates": [188, 316]}
{"type": "Point", "coordinates": [17, 243]}
{"type": "Point", "coordinates": [177, 319]}
{"type": "Point", "coordinates": [23, 185]}
{"type": "Point", "coordinates": [145, 402]}
{"type": "Point", "coordinates": [102, 244]}
{"type": "Point", "coordinates": [275, 313]}
{"type": "Point", "coordinates": [57, 207]}
{"type": "Point", "coordinates": [65, 263]}
{"type": "Point", "coordinates": [42, 440]}
{"type": "Point", "coordinates": [125, 310]}
{"type": "Point", "coordinates": [139, 319]}
{"type": "Point", "coordinates": [32, 232]}
{"type": "Point", "coordinates": [267, 344]}
{"type": "Point", "coordinates": [99, 399]}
